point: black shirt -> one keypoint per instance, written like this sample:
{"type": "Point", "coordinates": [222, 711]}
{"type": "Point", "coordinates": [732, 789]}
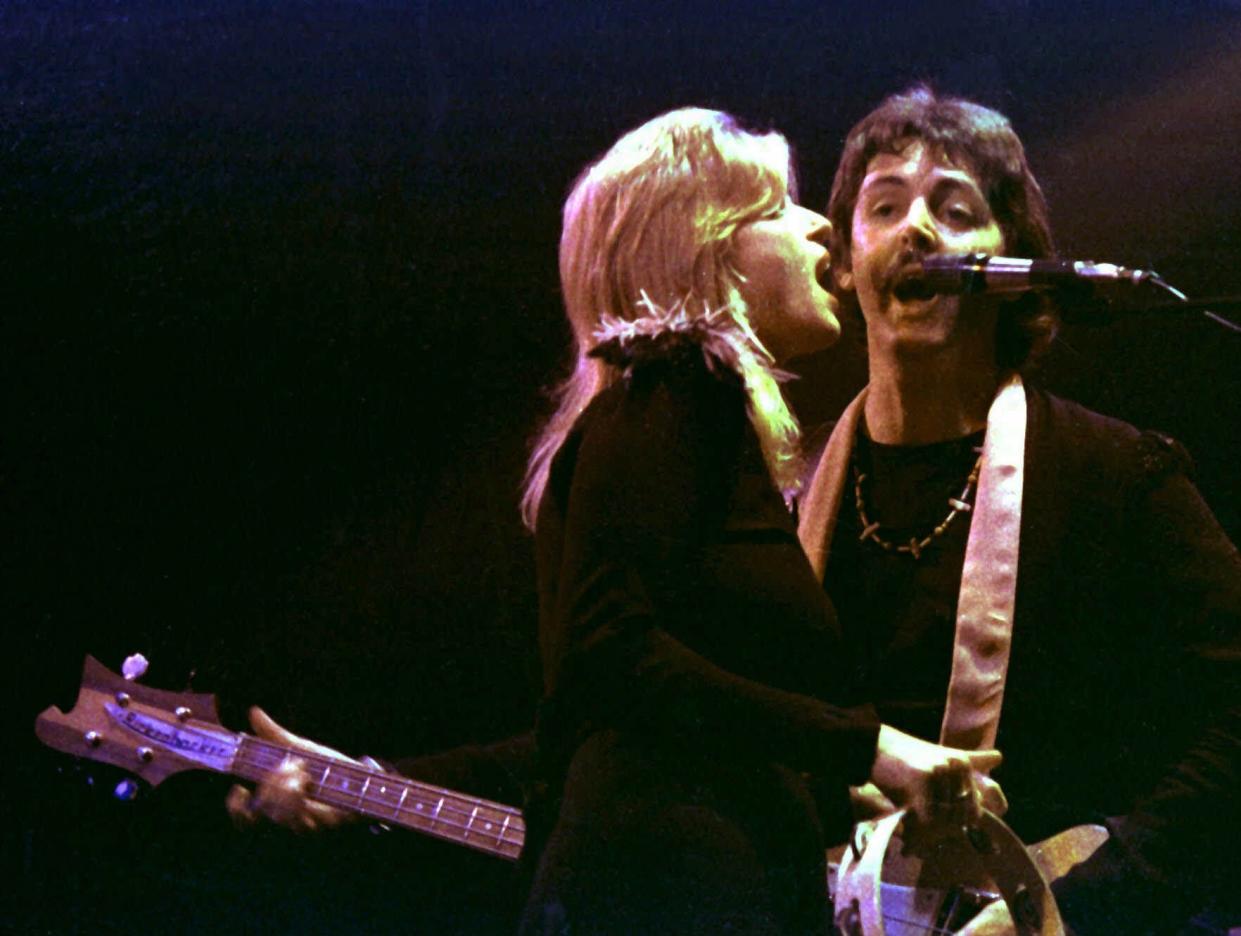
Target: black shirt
{"type": "Point", "coordinates": [898, 613]}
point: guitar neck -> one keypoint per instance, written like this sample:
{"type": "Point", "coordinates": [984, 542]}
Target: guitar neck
{"type": "Point", "coordinates": [155, 733]}
{"type": "Point", "coordinates": [480, 824]}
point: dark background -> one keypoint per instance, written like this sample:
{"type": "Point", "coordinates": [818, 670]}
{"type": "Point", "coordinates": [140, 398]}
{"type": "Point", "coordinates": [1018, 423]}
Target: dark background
{"type": "Point", "coordinates": [279, 316]}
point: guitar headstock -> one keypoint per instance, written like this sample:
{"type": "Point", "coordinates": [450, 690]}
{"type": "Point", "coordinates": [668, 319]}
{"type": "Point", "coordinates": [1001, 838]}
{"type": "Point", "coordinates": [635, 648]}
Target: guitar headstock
{"type": "Point", "coordinates": [149, 732]}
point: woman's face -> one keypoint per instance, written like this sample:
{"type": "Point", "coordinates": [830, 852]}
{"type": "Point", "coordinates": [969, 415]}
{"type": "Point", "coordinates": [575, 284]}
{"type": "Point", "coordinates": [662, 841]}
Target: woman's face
{"type": "Point", "coordinates": [785, 270]}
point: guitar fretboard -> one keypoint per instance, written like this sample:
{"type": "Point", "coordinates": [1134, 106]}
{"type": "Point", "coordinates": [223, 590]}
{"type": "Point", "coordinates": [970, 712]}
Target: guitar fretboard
{"type": "Point", "coordinates": [391, 798]}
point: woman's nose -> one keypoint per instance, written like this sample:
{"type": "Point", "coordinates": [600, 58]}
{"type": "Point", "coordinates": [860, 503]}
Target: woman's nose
{"type": "Point", "coordinates": [818, 228]}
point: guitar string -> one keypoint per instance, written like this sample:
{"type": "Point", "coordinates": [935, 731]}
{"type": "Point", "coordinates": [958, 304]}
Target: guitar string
{"type": "Point", "coordinates": [493, 813]}
{"type": "Point", "coordinates": [892, 918]}
{"type": "Point", "coordinates": [256, 754]}
{"type": "Point", "coordinates": [922, 927]}
{"type": "Point", "coordinates": [381, 802]}
{"type": "Point", "coordinates": [265, 755]}
{"type": "Point", "coordinates": [498, 840]}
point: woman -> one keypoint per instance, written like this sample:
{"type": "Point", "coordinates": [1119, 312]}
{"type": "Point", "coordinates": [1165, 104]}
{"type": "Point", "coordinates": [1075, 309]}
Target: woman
{"type": "Point", "coordinates": [692, 768]}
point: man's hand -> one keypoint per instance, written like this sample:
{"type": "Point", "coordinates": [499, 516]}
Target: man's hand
{"type": "Point", "coordinates": [943, 788]}
{"type": "Point", "coordinates": [281, 796]}
{"type": "Point", "coordinates": [993, 798]}
{"type": "Point", "coordinates": [869, 802]}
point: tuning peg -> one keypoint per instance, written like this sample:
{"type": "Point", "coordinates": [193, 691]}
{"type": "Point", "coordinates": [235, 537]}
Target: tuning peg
{"type": "Point", "coordinates": [134, 667]}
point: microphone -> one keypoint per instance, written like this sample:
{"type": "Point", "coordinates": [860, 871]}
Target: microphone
{"type": "Point", "coordinates": [980, 273]}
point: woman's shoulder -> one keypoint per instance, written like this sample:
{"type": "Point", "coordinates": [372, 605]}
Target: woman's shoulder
{"type": "Point", "coordinates": [675, 401]}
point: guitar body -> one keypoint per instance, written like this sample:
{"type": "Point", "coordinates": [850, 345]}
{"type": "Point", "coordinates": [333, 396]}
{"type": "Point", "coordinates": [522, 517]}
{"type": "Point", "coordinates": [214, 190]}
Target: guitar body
{"type": "Point", "coordinates": [882, 887]}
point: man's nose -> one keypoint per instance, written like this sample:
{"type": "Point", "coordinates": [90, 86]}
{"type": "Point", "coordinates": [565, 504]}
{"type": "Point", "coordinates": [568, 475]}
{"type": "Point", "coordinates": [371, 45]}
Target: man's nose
{"type": "Point", "coordinates": [920, 230]}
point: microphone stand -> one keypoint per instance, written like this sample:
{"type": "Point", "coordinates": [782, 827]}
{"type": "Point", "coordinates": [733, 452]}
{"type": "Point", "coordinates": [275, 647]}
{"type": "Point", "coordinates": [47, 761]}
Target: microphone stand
{"type": "Point", "coordinates": [1217, 304]}
{"type": "Point", "coordinates": [1088, 307]}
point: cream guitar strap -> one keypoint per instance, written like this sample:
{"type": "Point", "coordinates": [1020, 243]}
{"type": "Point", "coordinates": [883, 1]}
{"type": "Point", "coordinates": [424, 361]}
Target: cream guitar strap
{"type": "Point", "coordinates": [989, 579]}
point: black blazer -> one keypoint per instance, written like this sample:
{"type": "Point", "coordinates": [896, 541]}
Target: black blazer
{"type": "Point", "coordinates": [1122, 696]}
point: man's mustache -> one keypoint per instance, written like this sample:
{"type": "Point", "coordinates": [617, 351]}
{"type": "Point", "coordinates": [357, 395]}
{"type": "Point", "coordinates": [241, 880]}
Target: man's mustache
{"type": "Point", "coordinates": [904, 267]}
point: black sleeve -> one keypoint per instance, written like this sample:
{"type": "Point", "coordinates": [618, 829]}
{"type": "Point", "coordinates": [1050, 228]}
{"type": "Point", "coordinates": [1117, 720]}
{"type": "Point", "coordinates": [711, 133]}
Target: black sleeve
{"type": "Point", "coordinates": [1177, 847]}
{"type": "Point", "coordinates": [649, 485]}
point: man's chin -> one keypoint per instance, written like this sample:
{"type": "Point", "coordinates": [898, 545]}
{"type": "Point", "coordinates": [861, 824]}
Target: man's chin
{"type": "Point", "coordinates": [919, 324]}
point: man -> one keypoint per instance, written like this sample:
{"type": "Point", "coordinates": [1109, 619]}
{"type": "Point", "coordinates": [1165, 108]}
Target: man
{"type": "Point", "coordinates": [1010, 568]}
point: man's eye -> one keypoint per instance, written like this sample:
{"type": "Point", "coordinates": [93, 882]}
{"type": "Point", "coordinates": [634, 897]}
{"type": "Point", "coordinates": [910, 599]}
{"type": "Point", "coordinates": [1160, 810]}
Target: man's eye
{"type": "Point", "coordinates": [883, 210]}
{"type": "Point", "coordinates": [959, 214]}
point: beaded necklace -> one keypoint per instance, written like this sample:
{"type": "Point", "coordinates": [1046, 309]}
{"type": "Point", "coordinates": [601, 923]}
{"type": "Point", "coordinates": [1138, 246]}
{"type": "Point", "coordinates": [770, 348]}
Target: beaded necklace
{"type": "Point", "coordinates": [956, 505]}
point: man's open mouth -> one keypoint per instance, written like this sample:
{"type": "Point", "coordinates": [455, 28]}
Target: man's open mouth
{"type": "Point", "coordinates": [913, 289]}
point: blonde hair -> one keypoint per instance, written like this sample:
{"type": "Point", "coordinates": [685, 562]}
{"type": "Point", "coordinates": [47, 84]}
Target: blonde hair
{"type": "Point", "coordinates": [647, 235]}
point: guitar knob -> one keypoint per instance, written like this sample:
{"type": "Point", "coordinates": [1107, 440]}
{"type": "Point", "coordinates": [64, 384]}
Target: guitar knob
{"type": "Point", "coordinates": [134, 667]}
{"type": "Point", "coordinates": [1024, 910]}
{"type": "Point", "coordinates": [126, 791]}
{"type": "Point", "coordinates": [980, 840]}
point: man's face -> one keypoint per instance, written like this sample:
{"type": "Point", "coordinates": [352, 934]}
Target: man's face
{"type": "Point", "coordinates": [911, 205]}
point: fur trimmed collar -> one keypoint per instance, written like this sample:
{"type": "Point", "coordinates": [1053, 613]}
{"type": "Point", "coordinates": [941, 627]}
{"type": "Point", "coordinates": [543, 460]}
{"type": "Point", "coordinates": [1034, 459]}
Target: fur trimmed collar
{"type": "Point", "coordinates": [725, 339]}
